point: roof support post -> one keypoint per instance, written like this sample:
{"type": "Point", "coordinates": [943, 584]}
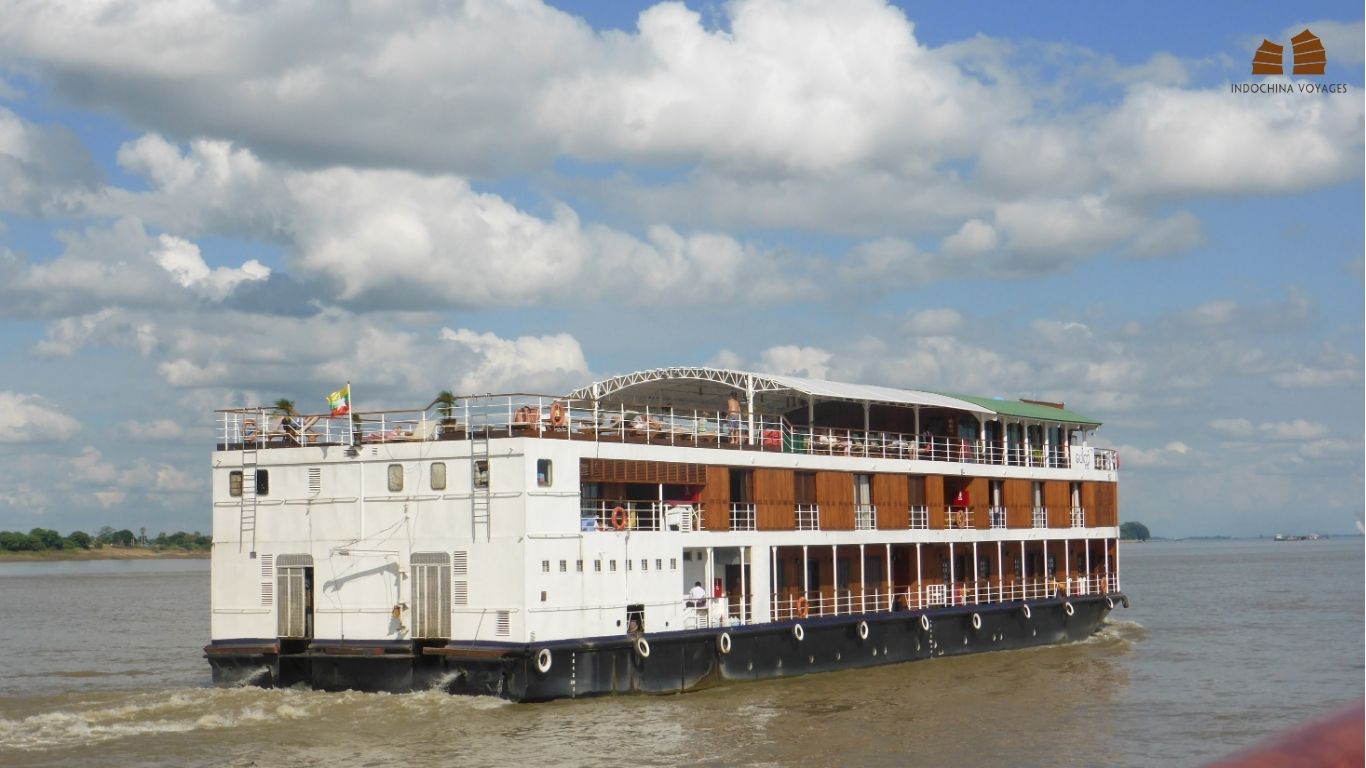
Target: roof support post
{"type": "Point", "coordinates": [866, 407]}
{"type": "Point", "coordinates": [749, 406]}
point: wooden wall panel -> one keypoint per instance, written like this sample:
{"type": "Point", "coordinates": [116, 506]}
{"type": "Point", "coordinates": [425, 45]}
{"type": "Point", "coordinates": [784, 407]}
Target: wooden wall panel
{"type": "Point", "coordinates": [716, 499]}
{"type": "Point", "coordinates": [835, 495]}
{"type": "Point", "coordinates": [890, 496]}
{"type": "Point", "coordinates": [1089, 502]}
{"type": "Point", "coordinates": [1057, 497]}
{"type": "Point", "coordinates": [979, 493]}
{"type": "Point", "coordinates": [934, 499]}
{"type": "Point", "coordinates": [773, 499]}
{"type": "Point", "coordinates": [624, 471]}
{"type": "Point", "coordinates": [1016, 496]}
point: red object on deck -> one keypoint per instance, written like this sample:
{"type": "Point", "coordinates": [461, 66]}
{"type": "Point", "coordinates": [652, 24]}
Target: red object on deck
{"type": "Point", "coordinates": [1328, 742]}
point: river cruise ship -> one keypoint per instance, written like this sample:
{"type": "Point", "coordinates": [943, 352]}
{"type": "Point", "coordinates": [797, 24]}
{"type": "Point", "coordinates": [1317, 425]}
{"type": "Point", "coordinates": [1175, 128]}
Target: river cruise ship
{"type": "Point", "coordinates": [659, 531]}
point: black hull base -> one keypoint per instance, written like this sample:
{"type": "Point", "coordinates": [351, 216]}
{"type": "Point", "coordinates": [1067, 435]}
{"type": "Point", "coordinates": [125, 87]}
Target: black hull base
{"type": "Point", "coordinates": [667, 662]}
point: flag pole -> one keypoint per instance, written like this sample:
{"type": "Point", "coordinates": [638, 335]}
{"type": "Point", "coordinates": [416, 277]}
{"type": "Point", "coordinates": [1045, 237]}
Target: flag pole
{"type": "Point", "coordinates": [351, 413]}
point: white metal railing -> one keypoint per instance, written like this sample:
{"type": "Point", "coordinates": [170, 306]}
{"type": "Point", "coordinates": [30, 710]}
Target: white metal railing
{"type": "Point", "coordinates": [741, 517]}
{"type": "Point", "coordinates": [808, 517]}
{"type": "Point", "coordinates": [610, 515]}
{"type": "Point", "coordinates": [551, 416]}
{"type": "Point", "coordinates": [1078, 517]}
{"type": "Point", "coordinates": [789, 603]}
{"type": "Point", "coordinates": [996, 517]}
{"type": "Point", "coordinates": [918, 518]}
{"type": "Point", "coordinates": [1038, 517]}
{"type": "Point", "coordinates": [865, 517]}
{"type": "Point", "coordinates": [958, 517]}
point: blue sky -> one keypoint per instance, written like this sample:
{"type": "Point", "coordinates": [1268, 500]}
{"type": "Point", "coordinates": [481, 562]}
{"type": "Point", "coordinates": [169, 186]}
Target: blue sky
{"type": "Point", "coordinates": [205, 206]}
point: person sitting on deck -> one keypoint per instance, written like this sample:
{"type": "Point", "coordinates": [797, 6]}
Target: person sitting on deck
{"type": "Point", "coordinates": [697, 596]}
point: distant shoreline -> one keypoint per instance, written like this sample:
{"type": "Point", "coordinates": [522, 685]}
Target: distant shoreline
{"type": "Point", "coordinates": [107, 553]}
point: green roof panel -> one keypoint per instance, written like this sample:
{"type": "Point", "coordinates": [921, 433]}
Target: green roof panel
{"type": "Point", "coordinates": [1023, 410]}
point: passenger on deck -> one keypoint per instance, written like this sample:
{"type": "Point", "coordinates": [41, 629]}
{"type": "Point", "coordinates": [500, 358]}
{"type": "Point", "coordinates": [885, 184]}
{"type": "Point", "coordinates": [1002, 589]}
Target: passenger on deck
{"type": "Point", "coordinates": [697, 597]}
{"type": "Point", "coordinates": [733, 418]}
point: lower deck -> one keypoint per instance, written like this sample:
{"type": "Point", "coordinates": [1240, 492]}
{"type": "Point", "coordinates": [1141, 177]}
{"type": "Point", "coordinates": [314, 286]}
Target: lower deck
{"type": "Point", "coordinates": [666, 662]}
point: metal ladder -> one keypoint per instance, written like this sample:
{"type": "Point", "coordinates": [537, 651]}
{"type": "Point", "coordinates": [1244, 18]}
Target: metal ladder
{"type": "Point", "coordinates": [479, 496]}
{"type": "Point", "coordinates": [247, 501]}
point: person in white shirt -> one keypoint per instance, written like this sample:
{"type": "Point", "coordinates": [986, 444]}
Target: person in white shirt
{"type": "Point", "coordinates": [697, 596]}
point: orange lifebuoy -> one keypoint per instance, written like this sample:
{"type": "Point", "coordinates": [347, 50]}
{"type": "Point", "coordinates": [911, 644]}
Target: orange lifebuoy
{"type": "Point", "coordinates": [619, 518]}
{"type": "Point", "coordinates": [556, 414]}
{"type": "Point", "coordinates": [802, 607]}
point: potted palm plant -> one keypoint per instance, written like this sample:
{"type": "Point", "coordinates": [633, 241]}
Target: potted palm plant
{"type": "Point", "coordinates": [288, 421]}
{"type": "Point", "coordinates": [445, 406]}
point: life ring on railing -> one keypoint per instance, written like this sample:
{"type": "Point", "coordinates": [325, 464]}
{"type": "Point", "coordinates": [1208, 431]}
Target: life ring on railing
{"type": "Point", "coordinates": [619, 518]}
{"type": "Point", "coordinates": [556, 414]}
{"type": "Point", "coordinates": [643, 647]}
{"type": "Point", "coordinates": [723, 643]}
{"type": "Point", "coordinates": [543, 661]}
{"type": "Point", "coordinates": [248, 429]}
{"type": "Point", "coordinates": [803, 608]}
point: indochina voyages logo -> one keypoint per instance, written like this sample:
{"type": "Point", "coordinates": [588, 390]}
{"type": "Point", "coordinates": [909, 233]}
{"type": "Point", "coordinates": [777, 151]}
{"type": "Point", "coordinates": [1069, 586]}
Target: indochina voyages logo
{"type": "Point", "coordinates": [1307, 57]}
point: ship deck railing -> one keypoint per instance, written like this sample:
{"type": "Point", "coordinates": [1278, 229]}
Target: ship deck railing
{"type": "Point", "coordinates": [602, 515]}
{"type": "Point", "coordinates": [792, 603]}
{"type": "Point", "coordinates": [545, 416]}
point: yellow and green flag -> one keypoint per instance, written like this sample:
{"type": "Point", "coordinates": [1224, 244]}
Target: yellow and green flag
{"type": "Point", "coordinates": [340, 401]}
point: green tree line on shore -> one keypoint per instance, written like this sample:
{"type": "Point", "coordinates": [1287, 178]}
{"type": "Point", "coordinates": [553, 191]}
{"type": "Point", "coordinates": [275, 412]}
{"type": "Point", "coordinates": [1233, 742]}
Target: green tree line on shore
{"type": "Point", "coordinates": [46, 540]}
{"type": "Point", "coordinates": [1134, 531]}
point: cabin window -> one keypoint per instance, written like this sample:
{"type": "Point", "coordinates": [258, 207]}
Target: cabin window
{"type": "Point", "coordinates": [984, 568]}
{"type": "Point", "coordinates": [597, 566]}
{"type": "Point", "coordinates": [612, 566]}
{"type": "Point", "coordinates": [578, 566]}
{"type": "Point", "coordinates": [673, 563]}
{"type": "Point", "coordinates": [659, 564]}
{"type": "Point", "coordinates": [235, 483]}
{"type": "Point", "coordinates": [545, 566]}
{"type": "Point", "coordinates": [481, 473]}
{"type": "Point", "coordinates": [262, 482]}
{"type": "Point", "coordinates": [395, 477]}
{"type": "Point", "coordinates": [863, 490]}
{"type": "Point", "coordinates": [438, 476]}
{"type": "Point", "coordinates": [544, 472]}
{"type": "Point", "coordinates": [564, 566]}
{"type": "Point", "coordinates": [644, 564]}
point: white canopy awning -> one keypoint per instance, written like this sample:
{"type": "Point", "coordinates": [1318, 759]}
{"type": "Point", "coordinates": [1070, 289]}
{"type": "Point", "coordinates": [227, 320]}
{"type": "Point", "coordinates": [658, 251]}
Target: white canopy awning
{"type": "Point", "coordinates": [699, 387]}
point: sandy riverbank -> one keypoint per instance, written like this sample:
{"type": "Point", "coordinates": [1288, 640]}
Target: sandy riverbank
{"type": "Point", "coordinates": [108, 553]}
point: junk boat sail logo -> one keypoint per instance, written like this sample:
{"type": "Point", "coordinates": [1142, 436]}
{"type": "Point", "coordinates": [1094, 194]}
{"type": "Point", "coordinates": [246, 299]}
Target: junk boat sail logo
{"type": "Point", "coordinates": [1308, 56]}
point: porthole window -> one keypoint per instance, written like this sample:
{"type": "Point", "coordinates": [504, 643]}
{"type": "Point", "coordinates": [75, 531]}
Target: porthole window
{"type": "Point", "coordinates": [395, 477]}
{"type": "Point", "coordinates": [438, 476]}
{"type": "Point", "coordinates": [544, 473]}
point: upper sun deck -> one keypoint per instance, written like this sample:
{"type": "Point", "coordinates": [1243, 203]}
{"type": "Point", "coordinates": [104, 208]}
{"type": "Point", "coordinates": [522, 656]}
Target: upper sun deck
{"type": "Point", "coordinates": [722, 410]}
